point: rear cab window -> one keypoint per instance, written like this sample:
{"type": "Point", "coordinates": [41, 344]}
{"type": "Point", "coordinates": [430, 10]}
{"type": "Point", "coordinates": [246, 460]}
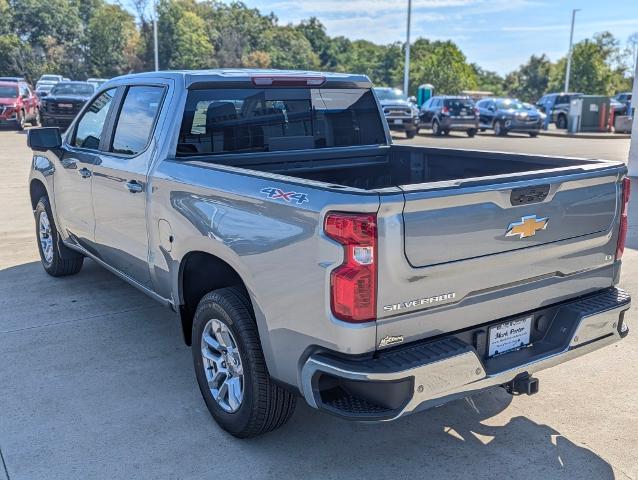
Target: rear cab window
{"type": "Point", "coordinates": [245, 120]}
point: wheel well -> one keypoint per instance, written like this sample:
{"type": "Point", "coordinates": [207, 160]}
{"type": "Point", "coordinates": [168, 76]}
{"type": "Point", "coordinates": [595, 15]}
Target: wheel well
{"type": "Point", "coordinates": [37, 190]}
{"type": "Point", "coordinates": [200, 273]}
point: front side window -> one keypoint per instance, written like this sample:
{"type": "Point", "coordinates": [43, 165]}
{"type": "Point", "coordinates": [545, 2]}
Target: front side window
{"type": "Point", "coordinates": [89, 130]}
{"type": "Point", "coordinates": [248, 120]}
{"type": "Point", "coordinates": [136, 119]}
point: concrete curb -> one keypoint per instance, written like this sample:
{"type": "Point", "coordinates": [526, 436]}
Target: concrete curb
{"type": "Point", "coordinates": [597, 136]}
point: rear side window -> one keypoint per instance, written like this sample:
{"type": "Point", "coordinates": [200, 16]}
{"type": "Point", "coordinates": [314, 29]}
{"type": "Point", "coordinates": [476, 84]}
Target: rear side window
{"type": "Point", "coordinates": [136, 119]}
{"type": "Point", "coordinates": [89, 130]}
{"type": "Point", "coordinates": [264, 120]}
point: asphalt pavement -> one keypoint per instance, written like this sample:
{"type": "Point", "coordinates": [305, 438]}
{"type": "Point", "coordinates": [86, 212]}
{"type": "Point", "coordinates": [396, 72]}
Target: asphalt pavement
{"type": "Point", "coordinates": [95, 383]}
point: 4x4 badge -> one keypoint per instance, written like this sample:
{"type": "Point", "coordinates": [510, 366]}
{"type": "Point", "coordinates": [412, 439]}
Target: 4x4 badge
{"type": "Point", "coordinates": [527, 227]}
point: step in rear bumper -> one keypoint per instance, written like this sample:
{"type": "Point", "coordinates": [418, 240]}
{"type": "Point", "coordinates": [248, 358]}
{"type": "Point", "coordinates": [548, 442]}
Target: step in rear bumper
{"type": "Point", "coordinates": [418, 376]}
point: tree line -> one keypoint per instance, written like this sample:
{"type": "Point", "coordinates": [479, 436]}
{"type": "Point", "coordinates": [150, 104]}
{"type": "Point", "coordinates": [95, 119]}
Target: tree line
{"type": "Point", "coordinates": [93, 38]}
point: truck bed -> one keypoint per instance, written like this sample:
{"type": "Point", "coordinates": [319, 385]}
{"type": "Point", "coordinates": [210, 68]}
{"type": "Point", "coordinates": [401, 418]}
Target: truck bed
{"type": "Point", "coordinates": [373, 168]}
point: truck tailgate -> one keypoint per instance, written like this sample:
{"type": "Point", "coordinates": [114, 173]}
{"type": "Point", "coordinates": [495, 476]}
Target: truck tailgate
{"type": "Point", "coordinates": [470, 224]}
{"type": "Point", "coordinates": [481, 252]}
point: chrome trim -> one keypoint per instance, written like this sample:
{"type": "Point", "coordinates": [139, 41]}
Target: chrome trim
{"type": "Point", "coordinates": [441, 381]}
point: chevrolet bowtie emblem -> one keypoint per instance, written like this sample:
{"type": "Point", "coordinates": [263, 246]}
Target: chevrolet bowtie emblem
{"type": "Point", "coordinates": [527, 227]}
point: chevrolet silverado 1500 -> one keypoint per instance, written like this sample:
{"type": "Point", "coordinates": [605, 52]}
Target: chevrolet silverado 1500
{"type": "Point", "coordinates": [308, 256]}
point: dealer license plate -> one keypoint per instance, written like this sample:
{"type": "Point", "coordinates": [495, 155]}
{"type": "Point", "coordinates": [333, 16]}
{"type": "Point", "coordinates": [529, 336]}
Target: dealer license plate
{"type": "Point", "coordinates": [509, 336]}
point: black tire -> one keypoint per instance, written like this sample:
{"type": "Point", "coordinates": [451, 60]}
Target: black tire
{"type": "Point", "coordinates": [446, 132]}
{"type": "Point", "coordinates": [20, 120]}
{"type": "Point", "coordinates": [63, 261]}
{"type": "Point", "coordinates": [410, 133]}
{"type": "Point", "coordinates": [533, 134]}
{"type": "Point", "coordinates": [561, 122]}
{"type": "Point", "coordinates": [499, 129]}
{"type": "Point", "coordinates": [483, 129]}
{"type": "Point", "coordinates": [265, 406]}
{"type": "Point", "coordinates": [471, 132]}
{"type": "Point", "coordinates": [36, 122]}
{"type": "Point", "coordinates": [436, 129]}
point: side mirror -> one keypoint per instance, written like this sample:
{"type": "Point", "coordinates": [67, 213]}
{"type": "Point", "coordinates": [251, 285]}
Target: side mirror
{"type": "Point", "coordinates": [491, 108]}
{"type": "Point", "coordinates": [43, 139]}
{"type": "Point", "coordinates": [412, 99]}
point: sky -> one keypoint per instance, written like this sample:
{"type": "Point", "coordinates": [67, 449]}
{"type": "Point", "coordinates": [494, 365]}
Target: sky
{"type": "Point", "coordinates": [498, 35]}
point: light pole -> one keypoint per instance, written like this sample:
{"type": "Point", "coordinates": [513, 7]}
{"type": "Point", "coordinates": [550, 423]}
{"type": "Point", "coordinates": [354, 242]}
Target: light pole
{"type": "Point", "coordinates": [569, 54]}
{"type": "Point", "coordinates": [406, 70]}
{"type": "Point", "coordinates": [155, 44]}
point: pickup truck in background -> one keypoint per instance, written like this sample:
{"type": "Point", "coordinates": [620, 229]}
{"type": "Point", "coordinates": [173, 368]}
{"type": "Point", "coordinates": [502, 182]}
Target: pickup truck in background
{"type": "Point", "coordinates": [308, 256]}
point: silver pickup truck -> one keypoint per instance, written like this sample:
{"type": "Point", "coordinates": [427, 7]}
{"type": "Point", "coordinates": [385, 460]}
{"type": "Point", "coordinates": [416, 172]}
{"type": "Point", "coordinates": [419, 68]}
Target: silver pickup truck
{"type": "Point", "coordinates": [308, 256]}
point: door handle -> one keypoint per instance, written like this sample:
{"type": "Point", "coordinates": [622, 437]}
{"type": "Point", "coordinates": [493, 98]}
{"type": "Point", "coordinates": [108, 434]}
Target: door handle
{"type": "Point", "coordinates": [85, 172]}
{"type": "Point", "coordinates": [134, 186]}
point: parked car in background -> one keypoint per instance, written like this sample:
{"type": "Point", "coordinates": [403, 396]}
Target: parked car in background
{"type": "Point", "coordinates": [44, 89]}
{"type": "Point", "coordinates": [18, 105]}
{"type": "Point", "coordinates": [447, 113]}
{"type": "Point", "coordinates": [624, 100]}
{"type": "Point", "coordinates": [505, 115]}
{"type": "Point", "coordinates": [13, 79]}
{"type": "Point", "coordinates": [66, 99]}
{"type": "Point", "coordinates": [48, 80]}
{"type": "Point", "coordinates": [557, 105]}
{"type": "Point", "coordinates": [96, 82]}
{"type": "Point", "coordinates": [401, 114]}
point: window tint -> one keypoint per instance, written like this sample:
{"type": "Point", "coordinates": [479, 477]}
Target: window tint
{"type": "Point", "coordinates": [265, 120]}
{"type": "Point", "coordinates": [136, 119]}
{"type": "Point", "coordinates": [457, 103]}
{"type": "Point", "coordinates": [89, 130]}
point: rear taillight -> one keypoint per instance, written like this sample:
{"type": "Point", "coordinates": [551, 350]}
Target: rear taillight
{"type": "Point", "coordinates": [353, 284]}
{"type": "Point", "coordinates": [445, 110]}
{"type": "Point", "coordinates": [622, 231]}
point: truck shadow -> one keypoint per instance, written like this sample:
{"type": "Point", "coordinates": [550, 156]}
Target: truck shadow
{"type": "Point", "coordinates": [466, 438]}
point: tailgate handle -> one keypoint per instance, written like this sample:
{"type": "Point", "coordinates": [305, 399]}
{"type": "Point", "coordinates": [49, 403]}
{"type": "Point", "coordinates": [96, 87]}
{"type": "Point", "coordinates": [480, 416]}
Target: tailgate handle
{"type": "Point", "coordinates": [525, 195]}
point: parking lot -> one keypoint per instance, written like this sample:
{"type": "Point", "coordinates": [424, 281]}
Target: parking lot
{"type": "Point", "coordinates": [95, 382]}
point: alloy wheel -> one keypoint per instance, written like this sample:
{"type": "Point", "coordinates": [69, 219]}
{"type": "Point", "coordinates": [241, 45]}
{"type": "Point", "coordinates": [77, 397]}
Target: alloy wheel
{"type": "Point", "coordinates": [222, 365]}
{"type": "Point", "coordinates": [46, 240]}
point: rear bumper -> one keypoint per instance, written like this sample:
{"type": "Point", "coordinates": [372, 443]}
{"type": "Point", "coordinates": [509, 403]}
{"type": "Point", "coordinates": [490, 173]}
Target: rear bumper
{"type": "Point", "coordinates": [402, 123]}
{"type": "Point", "coordinates": [449, 123]}
{"type": "Point", "coordinates": [415, 377]}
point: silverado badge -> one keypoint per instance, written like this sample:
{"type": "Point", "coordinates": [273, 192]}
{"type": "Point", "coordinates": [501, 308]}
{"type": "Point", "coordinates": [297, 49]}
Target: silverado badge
{"type": "Point", "coordinates": [390, 340]}
{"type": "Point", "coordinates": [527, 227]}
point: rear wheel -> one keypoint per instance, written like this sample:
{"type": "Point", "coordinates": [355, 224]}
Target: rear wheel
{"type": "Point", "coordinates": [230, 367]}
{"type": "Point", "coordinates": [410, 133]}
{"type": "Point", "coordinates": [436, 128]}
{"type": "Point", "coordinates": [499, 129]}
{"type": "Point", "coordinates": [561, 122]}
{"type": "Point", "coordinates": [471, 132]}
{"type": "Point", "coordinates": [57, 259]}
{"type": "Point", "coordinates": [533, 134]}
{"type": "Point", "coordinates": [36, 122]}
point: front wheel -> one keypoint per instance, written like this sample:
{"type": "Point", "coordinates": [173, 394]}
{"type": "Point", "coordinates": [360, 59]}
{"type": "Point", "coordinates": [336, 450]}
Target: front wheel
{"type": "Point", "coordinates": [36, 122]}
{"type": "Point", "coordinates": [230, 368]}
{"type": "Point", "coordinates": [57, 259]}
{"type": "Point", "coordinates": [471, 132]}
{"type": "Point", "coordinates": [20, 120]}
{"type": "Point", "coordinates": [436, 129]}
{"type": "Point", "coordinates": [533, 134]}
{"type": "Point", "coordinates": [410, 133]}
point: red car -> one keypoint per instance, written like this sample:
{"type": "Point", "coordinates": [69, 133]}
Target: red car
{"type": "Point", "coordinates": [18, 105]}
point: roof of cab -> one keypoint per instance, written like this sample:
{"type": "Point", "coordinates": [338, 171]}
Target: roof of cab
{"type": "Point", "coordinates": [242, 75]}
